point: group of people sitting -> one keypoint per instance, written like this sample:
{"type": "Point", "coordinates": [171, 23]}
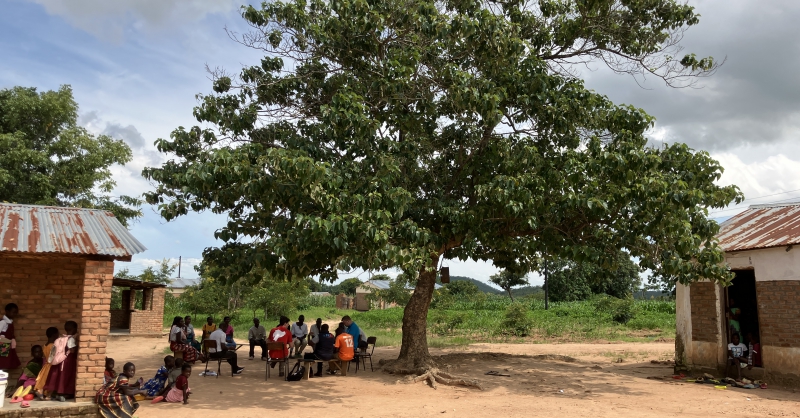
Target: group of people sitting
{"type": "Point", "coordinates": [52, 369]}
{"type": "Point", "coordinates": [120, 394]}
{"type": "Point", "coordinates": [51, 372]}
{"type": "Point", "coordinates": [295, 337]}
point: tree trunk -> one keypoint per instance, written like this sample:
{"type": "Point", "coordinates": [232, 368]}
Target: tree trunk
{"type": "Point", "coordinates": [509, 294]}
{"type": "Point", "coordinates": [414, 356]}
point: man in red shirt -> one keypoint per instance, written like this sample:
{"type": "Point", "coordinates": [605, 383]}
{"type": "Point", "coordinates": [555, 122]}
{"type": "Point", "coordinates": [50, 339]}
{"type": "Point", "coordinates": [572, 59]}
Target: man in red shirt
{"type": "Point", "coordinates": [280, 334]}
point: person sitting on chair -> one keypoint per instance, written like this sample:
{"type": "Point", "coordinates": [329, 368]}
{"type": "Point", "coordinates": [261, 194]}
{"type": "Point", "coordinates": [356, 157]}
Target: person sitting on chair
{"type": "Point", "coordinates": [222, 350]}
{"type": "Point", "coordinates": [313, 334]}
{"type": "Point", "coordinates": [228, 328]}
{"type": "Point", "coordinates": [344, 347]}
{"type": "Point", "coordinates": [324, 348]}
{"type": "Point", "coordinates": [257, 336]}
{"type": "Point", "coordinates": [280, 334]}
{"type": "Point", "coordinates": [299, 334]}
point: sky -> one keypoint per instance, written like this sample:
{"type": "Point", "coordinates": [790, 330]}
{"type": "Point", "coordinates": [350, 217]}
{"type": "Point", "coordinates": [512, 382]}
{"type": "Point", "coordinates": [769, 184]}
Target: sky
{"type": "Point", "coordinates": [136, 66]}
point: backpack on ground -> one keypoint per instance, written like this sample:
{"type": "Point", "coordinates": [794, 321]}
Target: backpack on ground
{"type": "Point", "coordinates": [297, 373]}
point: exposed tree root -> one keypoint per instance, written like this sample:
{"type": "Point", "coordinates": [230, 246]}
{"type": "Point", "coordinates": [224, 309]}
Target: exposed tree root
{"type": "Point", "coordinates": [432, 374]}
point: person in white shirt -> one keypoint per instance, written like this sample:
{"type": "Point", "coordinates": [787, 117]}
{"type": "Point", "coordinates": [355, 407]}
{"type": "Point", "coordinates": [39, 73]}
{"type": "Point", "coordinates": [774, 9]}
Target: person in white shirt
{"type": "Point", "coordinates": [737, 354]}
{"type": "Point", "coordinates": [257, 337]}
{"type": "Point", "coordinates": [222, 351]}
{"type": "Point", "coordinates": [313, 335]}
{"type": "Point", "coordinates": [299, 334]}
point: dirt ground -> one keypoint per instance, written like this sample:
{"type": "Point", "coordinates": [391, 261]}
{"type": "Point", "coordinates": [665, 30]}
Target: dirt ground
{"type": "Point", "coordinates": [598, 380]}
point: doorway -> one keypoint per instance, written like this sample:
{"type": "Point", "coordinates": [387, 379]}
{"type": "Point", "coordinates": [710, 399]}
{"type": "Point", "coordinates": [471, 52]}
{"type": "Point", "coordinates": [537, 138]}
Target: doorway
{"type": "Point", "coordinates": [741, 296]}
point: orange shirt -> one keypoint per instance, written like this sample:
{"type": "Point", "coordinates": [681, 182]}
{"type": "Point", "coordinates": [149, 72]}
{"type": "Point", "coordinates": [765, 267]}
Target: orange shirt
{"type": "Point", "coordinates": [344, 342]}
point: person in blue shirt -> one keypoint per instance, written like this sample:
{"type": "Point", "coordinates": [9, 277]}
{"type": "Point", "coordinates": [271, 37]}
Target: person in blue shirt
{"type": "Point", "coordinates": [352, 329]}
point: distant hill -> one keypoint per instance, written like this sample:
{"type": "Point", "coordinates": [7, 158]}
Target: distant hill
{"type": "Point", "coordinates": [527, 290]}
{"type": "Point", "coordinates": [483, 287]}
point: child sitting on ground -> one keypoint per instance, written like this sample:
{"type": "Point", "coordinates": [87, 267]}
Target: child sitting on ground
{"type": "Point", "coordinates": [175, 372]}
{"type": "Point", "coordinates": [27, 380]}
{"type": "Point", "coordinates": [118, 398]}
{"type": "Point", "coordinates": [736, 355]}
{"type": "Point", "coordinates": [156, 385]}
{"type": "Point", "coordinates": [109, 375]}
{"type": "Point", "coordinates": [173, 376]}
{"type": "Point", "coordinates": [41, 380]}
{"type": "Point", "coordinates": [180, 390]}
{"type": "Point", "coordinates": [63, 360]}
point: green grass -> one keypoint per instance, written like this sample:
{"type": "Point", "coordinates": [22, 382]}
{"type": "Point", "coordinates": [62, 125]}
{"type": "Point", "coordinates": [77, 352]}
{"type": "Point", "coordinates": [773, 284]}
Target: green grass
{"type": "Point", "coordinates": [466, 322]}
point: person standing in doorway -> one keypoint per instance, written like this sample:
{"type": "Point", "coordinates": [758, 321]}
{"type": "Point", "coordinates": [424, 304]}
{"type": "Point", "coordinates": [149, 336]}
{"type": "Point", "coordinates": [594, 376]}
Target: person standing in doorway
{"type": "Point", "coordinates": [733, 315]}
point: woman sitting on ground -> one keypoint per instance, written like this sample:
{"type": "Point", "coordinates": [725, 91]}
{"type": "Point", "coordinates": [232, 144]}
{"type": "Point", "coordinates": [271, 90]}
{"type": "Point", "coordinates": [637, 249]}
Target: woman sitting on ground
{"type": "Point", "coordinates": [177, 342]}
{"type": "Point", "coordinates": [117, 398]}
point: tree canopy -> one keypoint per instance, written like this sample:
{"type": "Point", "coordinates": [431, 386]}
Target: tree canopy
{"type": "Point", "coordinates": [568, 280]}
{"type": "Point", "coordinates": [389, 134]}
{"type": "Point", "coordinates": [47, 159]}
{"type": "Point", "coordinates": [508, 279]}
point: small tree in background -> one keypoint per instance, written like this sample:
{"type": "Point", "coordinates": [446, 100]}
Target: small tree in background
{"type": "Point", "coordinates": [276, 297]}
{"type": "Point", "coordinates": [508, 279]}
{"type": "Point", "coordinates": [349, 286]}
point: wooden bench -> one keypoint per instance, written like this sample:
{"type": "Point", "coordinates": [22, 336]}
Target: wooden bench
{"type": "Point", "coordinates": [309, 365]}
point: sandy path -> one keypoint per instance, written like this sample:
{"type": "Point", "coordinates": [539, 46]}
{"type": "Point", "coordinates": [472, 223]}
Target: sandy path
{"type": "Point", "coordinates": [597, 384]}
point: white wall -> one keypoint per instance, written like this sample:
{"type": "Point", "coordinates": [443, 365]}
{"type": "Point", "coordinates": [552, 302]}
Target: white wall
{"type": "Point", "coordinates": [769, 263]}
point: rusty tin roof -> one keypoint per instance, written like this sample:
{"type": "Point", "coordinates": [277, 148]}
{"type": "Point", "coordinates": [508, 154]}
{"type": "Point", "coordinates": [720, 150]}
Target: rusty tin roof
{"type": "Point", "coordinates": [761, 226]}
{"type": "Point", "coordinates": [49, 229]}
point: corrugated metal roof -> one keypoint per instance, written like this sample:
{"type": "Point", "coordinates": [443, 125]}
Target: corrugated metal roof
{"type": "Point", "coordinates": [182, 283]}
{"type": "Point", "coordinates": [49, 229]}
{"type": "Point", "coordinates": [761, 226]}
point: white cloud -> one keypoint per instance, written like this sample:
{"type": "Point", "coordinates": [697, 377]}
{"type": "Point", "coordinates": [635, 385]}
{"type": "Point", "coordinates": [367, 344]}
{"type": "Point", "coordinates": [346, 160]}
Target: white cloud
{"type": "Point", "coordinates": [110, 19]}
{"type": "Point", "coordinates": [762, 181]}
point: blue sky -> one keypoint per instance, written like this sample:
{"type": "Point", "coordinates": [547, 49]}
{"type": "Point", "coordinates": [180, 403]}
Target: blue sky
{"type": "Point", "coordinates": [136, 65]}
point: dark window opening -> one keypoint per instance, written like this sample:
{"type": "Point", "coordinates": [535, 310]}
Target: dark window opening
{"type": "Point", "coordinates": [741, 298]}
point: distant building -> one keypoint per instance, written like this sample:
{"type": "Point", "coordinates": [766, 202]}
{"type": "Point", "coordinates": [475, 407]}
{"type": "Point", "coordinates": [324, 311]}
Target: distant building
{"type": "Point", "coordinates": [319, 294]}
{"type": "Point", "coordinates": [178, 285]}
{"type": "Point", "coordinates": [362, 304]}
{"type": "Point", "coordinates": [759, 249]}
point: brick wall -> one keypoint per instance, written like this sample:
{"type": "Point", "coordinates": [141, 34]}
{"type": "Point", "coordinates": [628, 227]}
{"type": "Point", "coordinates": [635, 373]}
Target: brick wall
{"type": "Point", "coordinates": [48, 292]}
{"type": "Point", "coordinates": [94, 326]}
{"type": "Point", "coordinates": [149, 321]}
{"type": "Point", "coordinates": [119, 318]}
{"type": "Point", "coordinates": [779, 312]}
{"type": "Point", "coordinates": [703, 300]}
{"type": "Point", "coordinates": [51, 290]}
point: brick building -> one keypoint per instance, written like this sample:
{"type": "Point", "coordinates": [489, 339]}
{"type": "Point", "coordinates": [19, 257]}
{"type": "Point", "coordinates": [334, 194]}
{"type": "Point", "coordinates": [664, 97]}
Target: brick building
{"type": "Point", "coordinates": [143, 315]}
{"type": "Point", "coordinates": [57, 264]}
{"type": "Point", "coordinates": [759, 249]}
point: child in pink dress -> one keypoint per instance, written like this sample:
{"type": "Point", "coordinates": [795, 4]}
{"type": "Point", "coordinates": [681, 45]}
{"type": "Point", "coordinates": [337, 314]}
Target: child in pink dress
{"type": "Point", "coordinates": [180, 390]}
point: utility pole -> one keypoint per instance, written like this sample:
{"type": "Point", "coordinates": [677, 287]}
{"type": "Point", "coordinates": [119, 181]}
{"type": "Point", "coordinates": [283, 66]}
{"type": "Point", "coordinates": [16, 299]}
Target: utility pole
{"type": "Point", "coordinates": [546, 302]}
{"type": "Point", "coordinates": [179, 266]}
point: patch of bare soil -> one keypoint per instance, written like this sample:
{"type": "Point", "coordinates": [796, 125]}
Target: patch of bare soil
{"type": "Point", "coordinates": [530, 380]}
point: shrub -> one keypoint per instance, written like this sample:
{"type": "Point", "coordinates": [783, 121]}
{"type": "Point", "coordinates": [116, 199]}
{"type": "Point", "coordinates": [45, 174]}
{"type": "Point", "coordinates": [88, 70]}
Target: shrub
{"type": "Point", "coordinates": [620, 310]}
{"type": "Point", "coordinates": [516, 321]}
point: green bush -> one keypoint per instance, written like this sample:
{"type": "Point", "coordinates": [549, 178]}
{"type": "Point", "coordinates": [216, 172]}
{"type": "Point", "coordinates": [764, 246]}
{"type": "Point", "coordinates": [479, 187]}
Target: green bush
{"type": "Point", "coordinates": [516, 321]}
{"type": "Point", "coordinates": [620, 310]}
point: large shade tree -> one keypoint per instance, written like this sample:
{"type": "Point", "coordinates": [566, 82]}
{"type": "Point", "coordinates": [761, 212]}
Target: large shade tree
{"type": "Point", "coordinates": [393, 133]}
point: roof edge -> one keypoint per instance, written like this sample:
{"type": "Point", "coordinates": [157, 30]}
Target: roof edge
{"type": "Point", "coordinates": [773, 205]}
